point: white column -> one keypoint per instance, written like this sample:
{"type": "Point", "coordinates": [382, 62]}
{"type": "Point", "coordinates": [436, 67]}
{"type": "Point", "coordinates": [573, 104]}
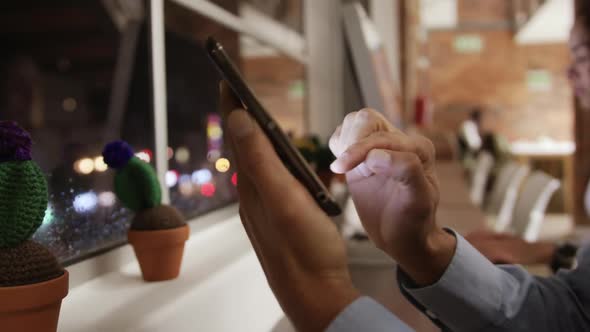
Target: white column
{"type": "Point", "coordinates": [386, 16]}
{"type": "Point", "coordinates": [325, 47]}
{"type": "Point", "coordinates": [158, 44]}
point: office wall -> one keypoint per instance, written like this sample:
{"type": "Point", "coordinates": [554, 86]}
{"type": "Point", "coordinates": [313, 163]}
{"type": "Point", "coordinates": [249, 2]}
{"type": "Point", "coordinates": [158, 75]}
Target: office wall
{"type": "Point", "coordinates": [498, 77]}
{"type": "Point", "coordinates": [279, 82]}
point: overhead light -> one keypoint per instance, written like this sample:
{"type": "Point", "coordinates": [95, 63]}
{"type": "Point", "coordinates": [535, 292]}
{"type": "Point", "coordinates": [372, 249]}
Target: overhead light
{"type": "Point", "coordinates": [182, 155]}
{"type": "Point", "coordinates": [145, 155]}
{"type": "Point", "coordinates": [84, 166]}
{"type": "Point", "coordinates": [213, 155]}
{"type": "Point", "coordinates": [201, 176]}
{"type": "Point", "coordinates": [107, 199]}
{"type": "Point", "coordinates": [100, 165]}
{"type": "Point", "coordinates": [171, 178]}
{"type": "Point", "coordinates": [170, 152]}
{"type": "Point", "coordinates": [222, 165]}
{"type": "Point", "coordinates": [69, 104]}
{"type": "Point", "coordinates": [208, 190]}
{"type": "Point", "coordinates": [85, 202]}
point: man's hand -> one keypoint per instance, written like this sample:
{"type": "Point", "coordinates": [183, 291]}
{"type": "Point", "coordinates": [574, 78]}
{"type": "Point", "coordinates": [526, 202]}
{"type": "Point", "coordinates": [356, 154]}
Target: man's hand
{"type": "Point", "coordinates": [391, 178]}
{"type": "Point", "coordinates": [298, 246]}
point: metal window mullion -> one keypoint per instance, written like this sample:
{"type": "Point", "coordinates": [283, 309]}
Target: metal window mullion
{"type": "Point", "coordinates": [158, 57]}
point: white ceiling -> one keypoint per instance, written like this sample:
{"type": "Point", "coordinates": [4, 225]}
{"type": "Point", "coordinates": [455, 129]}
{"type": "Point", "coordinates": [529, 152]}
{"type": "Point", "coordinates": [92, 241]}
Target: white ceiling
{"type": "Point", "coordinates": [438, 14]}
{"type": "Point", "coordinates": [259, 21]}
{"type": "Point", "coordinates": [551, 23]}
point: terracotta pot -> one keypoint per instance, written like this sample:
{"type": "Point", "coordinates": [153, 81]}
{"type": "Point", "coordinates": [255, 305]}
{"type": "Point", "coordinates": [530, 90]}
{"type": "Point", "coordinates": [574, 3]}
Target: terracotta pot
{"type": "Point", "coordinates": [33, 307]}
{"type": "Point", "coordinates": [159, 253]}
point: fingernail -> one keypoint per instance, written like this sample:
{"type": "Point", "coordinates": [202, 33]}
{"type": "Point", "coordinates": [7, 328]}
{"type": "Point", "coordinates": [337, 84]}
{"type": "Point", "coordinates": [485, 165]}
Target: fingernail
{"type": "Point", "coordinates": [240, 124]}
{"type": "Point", "coordinates": [338, 165]}
{"type": "Point", "coordinates": [380, 158]}
{"type": "Point", "coordinates": [335, 167]}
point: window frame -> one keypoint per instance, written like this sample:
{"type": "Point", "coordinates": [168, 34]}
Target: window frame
{"type": "Point", "coordinates": [112, 259]}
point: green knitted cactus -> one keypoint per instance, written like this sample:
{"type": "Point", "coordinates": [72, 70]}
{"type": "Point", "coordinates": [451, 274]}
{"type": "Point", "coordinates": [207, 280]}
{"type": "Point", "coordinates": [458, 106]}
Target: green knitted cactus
{"type": "Point", "coordinates": [138, 188]}
{"type": "Point", "coordinates": [137, 185]}
{"type": "Point", "coordinates": [23, 201]}
{"type": "Point", "coordinates": [136, 182]}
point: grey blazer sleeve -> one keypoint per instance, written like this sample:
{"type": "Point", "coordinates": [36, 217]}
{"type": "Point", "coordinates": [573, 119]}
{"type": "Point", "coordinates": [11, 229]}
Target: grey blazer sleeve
{"type": "Point", "coordinates": [475, 295]}
{"type": "Point", "coordinates": [366, 315]}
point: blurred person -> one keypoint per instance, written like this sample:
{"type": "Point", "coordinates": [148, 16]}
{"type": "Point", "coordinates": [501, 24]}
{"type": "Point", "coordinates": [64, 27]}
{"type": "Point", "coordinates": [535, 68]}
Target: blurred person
{"type": "Point", "coordinates": [491, 140]}
{"type": "Point", "coordinates": [392, 181]}
{"type": "Point", "coordinates": [480, 133]}
{"type": "Point", "coordinates": [469, 136]}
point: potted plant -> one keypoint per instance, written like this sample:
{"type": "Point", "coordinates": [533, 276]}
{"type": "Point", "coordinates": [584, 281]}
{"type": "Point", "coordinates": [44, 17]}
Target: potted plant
{"type": "Point", "coordinates": [158, 232]}
{"type": "Point", "coordinates": [32, 282]}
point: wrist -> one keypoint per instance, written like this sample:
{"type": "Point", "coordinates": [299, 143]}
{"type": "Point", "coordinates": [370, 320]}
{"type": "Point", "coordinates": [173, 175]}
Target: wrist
{"type": "Point", "coordinates": [426, 262]}
{"type": "Point", "coordinates": [315, 306]}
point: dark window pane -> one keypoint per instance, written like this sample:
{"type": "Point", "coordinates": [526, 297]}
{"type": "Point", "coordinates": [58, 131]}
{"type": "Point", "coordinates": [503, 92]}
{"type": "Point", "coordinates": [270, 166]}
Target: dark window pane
{"type": "Point", "coordinates": [59, 64]}
{"type": "Point", "coordinates": [201, 177]}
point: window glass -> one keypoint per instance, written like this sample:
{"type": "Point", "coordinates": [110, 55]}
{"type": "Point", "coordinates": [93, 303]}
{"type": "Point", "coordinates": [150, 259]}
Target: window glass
{"type": "Point", "coordinates": [60, 63]}
{"type": "Point", "coordinates": [201, 175]}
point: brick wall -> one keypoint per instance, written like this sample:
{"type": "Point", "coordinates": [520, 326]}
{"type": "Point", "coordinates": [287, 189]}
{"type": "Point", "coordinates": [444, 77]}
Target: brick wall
{"type": "Point", "coordinates": [496, 76]}
{"type": "Point", "coordinates": [483, 11]}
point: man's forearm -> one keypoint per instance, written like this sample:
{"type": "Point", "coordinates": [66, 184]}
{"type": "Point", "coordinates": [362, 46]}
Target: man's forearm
{"type": "Point", "coordinates": [474, 295]}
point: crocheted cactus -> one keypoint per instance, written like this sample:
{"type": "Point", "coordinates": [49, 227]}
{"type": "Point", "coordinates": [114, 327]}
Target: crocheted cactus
{"type": "Point", "coordinates": [137, 186]}
{"type": "Point", "coordinates": [160, 217]}
{"type": "Point", "coordinates": [136, 182]}
{"type": "Point", "coordinates": [23, 189]}
{"type": "Point", "coordinates": [23, 201]}
{"type": "Point", "coordinates": [26, 264]}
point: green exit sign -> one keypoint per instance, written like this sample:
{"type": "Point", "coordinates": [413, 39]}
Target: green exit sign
{"type": "Point", "coordinates": [539, 80]}
{"type": "Point", "coordinates": [468, 44]}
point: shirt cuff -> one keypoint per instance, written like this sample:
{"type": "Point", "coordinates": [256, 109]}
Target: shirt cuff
{"type": "Point", "coordinates": [366, 315]}
{"type": "Point", "coordinates": [469, 295]}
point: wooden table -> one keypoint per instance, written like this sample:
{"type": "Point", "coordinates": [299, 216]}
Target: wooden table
{"type": "Point", "coordinates": [373, 272]}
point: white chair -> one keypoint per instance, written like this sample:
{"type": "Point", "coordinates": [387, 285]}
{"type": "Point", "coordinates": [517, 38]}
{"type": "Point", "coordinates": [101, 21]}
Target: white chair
{"type": "Point", "coordinates": [556, 227]}
{"type": "Point", "coordinates": [470, 133]}
{"type": "Point", "coordinates": [499, 207]}
{"type": "Point", "coordinates": [480, 177]}
{"type": "Point", "coordinates": [531, 205]}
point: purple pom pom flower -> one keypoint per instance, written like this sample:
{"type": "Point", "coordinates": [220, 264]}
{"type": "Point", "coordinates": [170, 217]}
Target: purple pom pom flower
{"type": "Point", "coordinates": [15, 142]}
{"type": "Point", "coordinates": [116, 154]}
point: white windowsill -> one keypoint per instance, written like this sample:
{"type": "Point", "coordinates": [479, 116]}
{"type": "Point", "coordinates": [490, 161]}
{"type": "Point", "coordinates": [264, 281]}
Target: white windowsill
{"type": "Point", "coordinates": [221, 287]}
